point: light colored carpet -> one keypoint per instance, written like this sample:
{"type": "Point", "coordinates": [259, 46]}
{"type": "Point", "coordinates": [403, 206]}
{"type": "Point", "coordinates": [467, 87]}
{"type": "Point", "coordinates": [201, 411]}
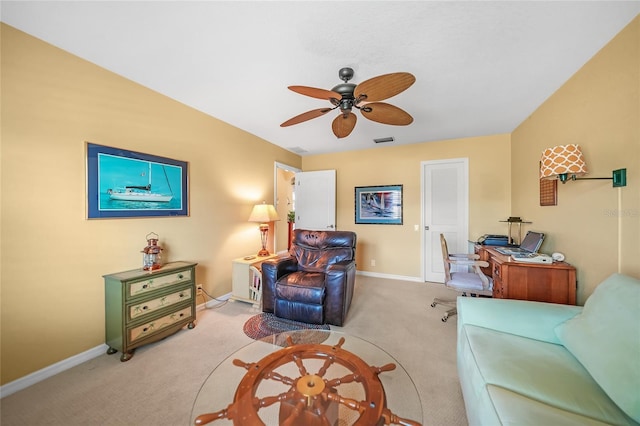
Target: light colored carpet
{"type": "Point", "coordinates": [160, 383]}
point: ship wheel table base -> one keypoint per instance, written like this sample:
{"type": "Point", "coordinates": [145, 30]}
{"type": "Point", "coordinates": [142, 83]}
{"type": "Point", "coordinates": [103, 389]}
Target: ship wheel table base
{"type": "Point", "coordinates": [310, 398]}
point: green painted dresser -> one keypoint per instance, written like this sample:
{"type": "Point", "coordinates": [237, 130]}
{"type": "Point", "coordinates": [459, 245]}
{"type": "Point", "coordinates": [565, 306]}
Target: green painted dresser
{"type": "Point", "coordinates": [143, 307]}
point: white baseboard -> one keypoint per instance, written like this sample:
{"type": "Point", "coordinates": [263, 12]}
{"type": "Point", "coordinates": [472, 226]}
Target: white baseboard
{"type": "Point", "coordinates": [52, 370]}
{"type": "Point", "coordinates": [65, 364]}
{"type": "Point", "coordinates": [390, 276]}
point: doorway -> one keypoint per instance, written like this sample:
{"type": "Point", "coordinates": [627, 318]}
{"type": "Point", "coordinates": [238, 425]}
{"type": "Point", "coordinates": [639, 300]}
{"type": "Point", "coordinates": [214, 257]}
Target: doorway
{"type": "Point", "coordinates": [445, 210]}
{"type": "Point", "coordinates": [285, 198]}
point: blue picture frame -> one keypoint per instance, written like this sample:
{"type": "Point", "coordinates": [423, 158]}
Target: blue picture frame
{"type": "Point", "coordinates": [380, 205]}
{"type": "Point", "coordinates": [124, 184]}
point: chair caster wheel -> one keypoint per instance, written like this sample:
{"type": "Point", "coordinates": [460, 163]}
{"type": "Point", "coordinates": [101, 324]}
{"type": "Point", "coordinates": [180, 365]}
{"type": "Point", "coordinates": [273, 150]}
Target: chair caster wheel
{"type": "Point", "coordinates": [433, 305]}
{"type": "Point", "coordinates": [445, 318]}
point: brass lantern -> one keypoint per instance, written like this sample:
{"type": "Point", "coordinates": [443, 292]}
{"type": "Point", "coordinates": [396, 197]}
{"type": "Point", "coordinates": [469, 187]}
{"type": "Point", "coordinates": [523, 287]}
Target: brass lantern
{"type": "Point", "coordinates": [151, 258]}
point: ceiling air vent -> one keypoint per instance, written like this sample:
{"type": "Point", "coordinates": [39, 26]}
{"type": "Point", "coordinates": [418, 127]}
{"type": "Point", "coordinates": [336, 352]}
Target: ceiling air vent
{"type": "Point", "coordinates": [298, 150]}
{"type": "Point", "coordinates": [384, 140]}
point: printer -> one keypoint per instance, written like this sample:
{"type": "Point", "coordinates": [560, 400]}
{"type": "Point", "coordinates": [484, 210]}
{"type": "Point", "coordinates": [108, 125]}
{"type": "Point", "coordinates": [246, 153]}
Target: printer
{"type": "Point", "coordinates": [494, 240]}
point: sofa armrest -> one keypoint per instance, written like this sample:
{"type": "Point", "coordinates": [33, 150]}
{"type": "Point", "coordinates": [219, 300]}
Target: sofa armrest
{"type": "Point", "coordinates": [272, 270]}
{"type": "Point", "coordinates": [535, 320]}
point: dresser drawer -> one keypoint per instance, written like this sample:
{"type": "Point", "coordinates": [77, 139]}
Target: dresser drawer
{"type": "Point", "coordinates": [147, 307]}
{"type": "Point", "coordinates": [154, 282]}
{"type": "Point", "coordinates": [154, 326]}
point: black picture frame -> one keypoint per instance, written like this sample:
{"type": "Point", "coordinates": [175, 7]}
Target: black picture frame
{"type": "Point", "coordinates": [378, 205]}
{"type": "Point", "coordinates": [126, 184]}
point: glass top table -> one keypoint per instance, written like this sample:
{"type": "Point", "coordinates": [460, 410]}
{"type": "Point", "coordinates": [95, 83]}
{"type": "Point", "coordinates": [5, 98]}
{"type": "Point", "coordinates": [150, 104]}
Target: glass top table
{"type": "Point", "coordinates": [308, 377]}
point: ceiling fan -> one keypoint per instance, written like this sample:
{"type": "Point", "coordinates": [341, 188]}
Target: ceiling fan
{"type": "Point", "coordinates": [365, 96]}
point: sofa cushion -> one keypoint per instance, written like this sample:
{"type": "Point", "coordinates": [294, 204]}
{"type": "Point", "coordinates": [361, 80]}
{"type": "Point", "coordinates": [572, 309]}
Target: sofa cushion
{"type": "Point", "coordinates": [605, 338]}
{"type": "Point", "coordinates": [543, 372]}
{"type": "Point", "coordinates": [518, 410]}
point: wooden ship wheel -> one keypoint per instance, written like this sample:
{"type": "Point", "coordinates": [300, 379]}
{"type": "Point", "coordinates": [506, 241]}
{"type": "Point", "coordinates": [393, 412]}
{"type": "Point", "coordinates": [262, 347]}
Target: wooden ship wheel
{"type": "Point", "coordinates": [310, 399]}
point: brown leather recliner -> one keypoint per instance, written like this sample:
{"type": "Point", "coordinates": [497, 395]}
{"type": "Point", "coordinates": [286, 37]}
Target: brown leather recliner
{"type": "Point", "coordinates": [315, 283]}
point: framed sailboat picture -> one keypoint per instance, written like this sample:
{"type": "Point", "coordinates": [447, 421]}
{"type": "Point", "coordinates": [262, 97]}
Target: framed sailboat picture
{"type": "Point", "coordinates": [123, 183]}
{"type": "Point", "coordinates": [381, 205]}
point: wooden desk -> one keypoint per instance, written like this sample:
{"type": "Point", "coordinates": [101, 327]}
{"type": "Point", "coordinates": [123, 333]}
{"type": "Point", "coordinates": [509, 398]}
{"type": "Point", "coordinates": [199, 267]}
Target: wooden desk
{"type": "Point", "coordinates": [540, 282]}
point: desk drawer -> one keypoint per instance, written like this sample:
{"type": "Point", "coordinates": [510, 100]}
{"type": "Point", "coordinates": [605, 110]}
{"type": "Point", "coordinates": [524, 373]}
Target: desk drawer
{"type": "Point", "coordinates": [498, 283]}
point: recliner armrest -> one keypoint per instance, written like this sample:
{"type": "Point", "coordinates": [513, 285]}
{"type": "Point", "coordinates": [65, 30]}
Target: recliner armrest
{"type": "Point", "coordinates": [280, 266]}
{"type": "Point", "coordinates": [272, 270]}
{"type": "Point", "coordinates": [343, 265]}
{"type": "Point", "coordinates": [535, 320]}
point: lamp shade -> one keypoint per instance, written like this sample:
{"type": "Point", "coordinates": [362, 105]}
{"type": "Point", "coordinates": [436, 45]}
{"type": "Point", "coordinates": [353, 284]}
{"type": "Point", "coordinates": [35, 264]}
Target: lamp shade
{"type": "Point", "coordinates": [561, 161]}
{"type": "Point", "coordinates": [263, 213]}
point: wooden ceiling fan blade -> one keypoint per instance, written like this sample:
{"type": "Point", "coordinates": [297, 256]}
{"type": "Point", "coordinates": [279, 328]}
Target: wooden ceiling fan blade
{"type": "Point", "coordinates": [386, 114]}
{"type": "Point", "coordinates": [306, 116]}
{"type": "Point", "coordinates": [316, 93]}
{"type": "Point", "coordinates": [383, 87]}
{"type": "Point", "coordinates": [343, 125]}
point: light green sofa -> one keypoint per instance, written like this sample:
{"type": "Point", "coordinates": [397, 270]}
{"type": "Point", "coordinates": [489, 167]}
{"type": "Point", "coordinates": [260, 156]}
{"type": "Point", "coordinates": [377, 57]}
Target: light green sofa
{"type": "Point", "coordinates": [532, 363]}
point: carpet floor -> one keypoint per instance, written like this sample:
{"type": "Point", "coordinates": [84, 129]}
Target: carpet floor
{"type": "Point", "coordinates": [159, 385]}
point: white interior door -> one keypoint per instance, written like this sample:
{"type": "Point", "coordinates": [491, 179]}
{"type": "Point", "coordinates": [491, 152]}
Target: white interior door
{"type": "Point", "coordinates": [316, 200]}
{"type": "Point", "coordinates": [445, 188]}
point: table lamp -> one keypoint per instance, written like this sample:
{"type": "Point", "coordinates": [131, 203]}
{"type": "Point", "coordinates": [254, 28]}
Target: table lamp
{"type": "Point", "coordinates": [263, 214]}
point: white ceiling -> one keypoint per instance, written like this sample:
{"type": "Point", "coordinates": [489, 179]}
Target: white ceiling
{"type": "Point", "coordinates": [481, 67]}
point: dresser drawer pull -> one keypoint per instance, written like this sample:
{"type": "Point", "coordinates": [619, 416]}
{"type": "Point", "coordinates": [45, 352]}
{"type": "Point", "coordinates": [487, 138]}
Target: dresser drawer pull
{"type": "Point", "coordinates": [180, 276]}
{"type": "Point", "coordinates": [181, 295]}
{"type": "Point", "coordinates": [145, 307]}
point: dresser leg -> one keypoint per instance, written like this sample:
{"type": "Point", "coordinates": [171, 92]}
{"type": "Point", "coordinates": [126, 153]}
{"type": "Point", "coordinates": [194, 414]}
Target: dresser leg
{"type": "Point", "coordinates": [191, 325]}
{"type": "Point", "coordinates": [111, 351]}
{"type": "Point", "coordinates": [126, 356]}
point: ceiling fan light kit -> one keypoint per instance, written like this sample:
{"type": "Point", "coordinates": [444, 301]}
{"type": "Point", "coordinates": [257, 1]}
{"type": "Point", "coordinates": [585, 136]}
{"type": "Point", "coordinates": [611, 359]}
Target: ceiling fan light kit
{"type": "Point", "coordinates": [365, 97]}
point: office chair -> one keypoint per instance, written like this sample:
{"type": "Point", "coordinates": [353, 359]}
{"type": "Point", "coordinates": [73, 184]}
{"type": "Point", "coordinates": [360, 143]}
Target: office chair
{"type": "Point", "coordinates": [475, 283]}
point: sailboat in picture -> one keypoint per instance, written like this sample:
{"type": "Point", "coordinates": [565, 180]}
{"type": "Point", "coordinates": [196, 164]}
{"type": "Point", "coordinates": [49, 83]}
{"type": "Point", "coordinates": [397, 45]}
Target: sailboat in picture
{"type": "Point", "coordinates": [140, 193]}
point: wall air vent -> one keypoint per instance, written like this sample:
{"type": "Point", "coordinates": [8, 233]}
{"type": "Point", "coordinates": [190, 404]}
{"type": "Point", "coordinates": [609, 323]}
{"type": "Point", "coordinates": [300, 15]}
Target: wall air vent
{"type": "Point", "coordinates": [383, 140]}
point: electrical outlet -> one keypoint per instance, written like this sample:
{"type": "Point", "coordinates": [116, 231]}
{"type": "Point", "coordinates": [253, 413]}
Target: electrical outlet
{"type": "Point", "coordinates": [373, 262]}
{"type": "Point", "coordinates": [199, 290]}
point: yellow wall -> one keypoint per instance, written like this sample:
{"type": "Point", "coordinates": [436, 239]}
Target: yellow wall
{"type": "Point", "coordinates": [599, 109]}
{"type": "Point", "coordinates": [396, 248]}
{"type": "Point", "coordinates": [53, 258]}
